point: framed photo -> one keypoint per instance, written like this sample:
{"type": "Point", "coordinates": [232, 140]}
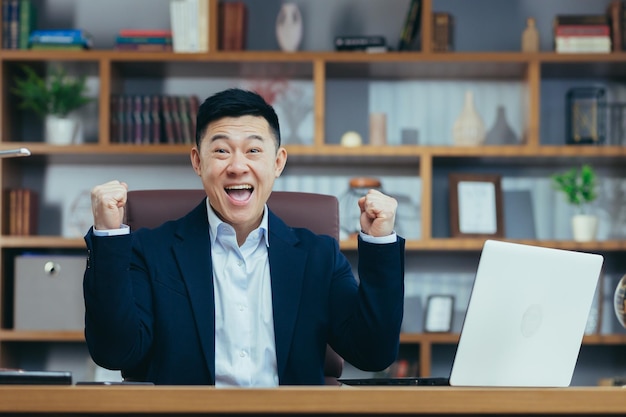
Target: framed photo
{"type": "Point", "coordinates": [439, 312]}
{"type": "Point", "coordinates": [476, 205]}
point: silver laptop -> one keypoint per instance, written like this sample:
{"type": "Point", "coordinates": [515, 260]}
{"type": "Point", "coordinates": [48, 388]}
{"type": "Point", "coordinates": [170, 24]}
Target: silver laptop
{"type": "Point", "coordinates": [525, 320]}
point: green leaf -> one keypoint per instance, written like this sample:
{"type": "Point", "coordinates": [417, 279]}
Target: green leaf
{"type": "Point", "coordinates": [59, 94]}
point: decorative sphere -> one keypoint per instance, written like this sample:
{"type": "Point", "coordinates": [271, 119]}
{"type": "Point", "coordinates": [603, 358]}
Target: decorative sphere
{"type": "Point", "coordinates": [351, 138]}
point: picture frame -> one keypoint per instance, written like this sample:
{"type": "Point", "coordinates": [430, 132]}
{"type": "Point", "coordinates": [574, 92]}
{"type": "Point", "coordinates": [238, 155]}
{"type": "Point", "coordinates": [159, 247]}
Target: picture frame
{"type": "Point", "coordinates": [476, 208]}
{"type": "Point", "coordinates": [439, 313]}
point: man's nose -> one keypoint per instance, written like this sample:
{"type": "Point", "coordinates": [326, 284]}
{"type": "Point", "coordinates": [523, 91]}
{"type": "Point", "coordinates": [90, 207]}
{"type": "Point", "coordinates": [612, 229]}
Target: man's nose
{"type": "Point", "coordinates": [238, 163]}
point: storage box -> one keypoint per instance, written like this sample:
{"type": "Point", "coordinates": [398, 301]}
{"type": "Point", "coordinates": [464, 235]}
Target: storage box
{"type": "Point", "coordinates": [49, 292]}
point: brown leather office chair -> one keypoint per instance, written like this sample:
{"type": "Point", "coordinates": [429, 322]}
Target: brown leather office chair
{"type": "Point", "coordinates": [317, 212]}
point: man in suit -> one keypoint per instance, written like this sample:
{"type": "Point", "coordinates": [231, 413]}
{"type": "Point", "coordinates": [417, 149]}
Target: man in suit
{"type": "Point", "coordinates": [229, 295]}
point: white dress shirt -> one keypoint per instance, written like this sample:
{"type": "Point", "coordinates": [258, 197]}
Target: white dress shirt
{"type": "Point", "coordinates": [245, 348]}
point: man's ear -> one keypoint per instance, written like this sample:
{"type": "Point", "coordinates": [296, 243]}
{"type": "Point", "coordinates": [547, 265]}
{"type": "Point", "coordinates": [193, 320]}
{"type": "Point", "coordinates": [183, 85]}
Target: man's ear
{"type": "Point", "coordinates": [195, 160]}
{"type": "Point", "coordinates": [281, 161]}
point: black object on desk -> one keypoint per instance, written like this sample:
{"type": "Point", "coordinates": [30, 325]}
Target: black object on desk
{"type": "Point", "coordinates": [21, 377]}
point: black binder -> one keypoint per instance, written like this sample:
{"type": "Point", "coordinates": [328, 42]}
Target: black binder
{"type": "Point", "coordinates": [21, 377]}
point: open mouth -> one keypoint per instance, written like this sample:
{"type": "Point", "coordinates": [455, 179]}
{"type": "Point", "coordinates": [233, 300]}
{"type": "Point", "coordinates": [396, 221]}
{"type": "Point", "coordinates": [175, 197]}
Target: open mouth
{"type": "Point", "coordinates": [239, 192]}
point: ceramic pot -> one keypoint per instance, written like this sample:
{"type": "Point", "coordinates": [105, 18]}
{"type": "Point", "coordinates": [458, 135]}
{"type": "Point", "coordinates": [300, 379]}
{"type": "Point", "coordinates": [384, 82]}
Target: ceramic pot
{"type": "Point", "coordinates": [289, 27]}
{"type": "Point", "coordinates": [469, 128]}
{"type": "Point", "coordinates": [60, 130]}
{"type": "Point", "coordinates": [584, 227]}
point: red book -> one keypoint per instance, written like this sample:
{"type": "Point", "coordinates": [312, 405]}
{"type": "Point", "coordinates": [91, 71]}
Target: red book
{"type": "Point", "coordinates": [233, 17]}
{"type": "Point", "coordinates": [155, 115]}
{"type": "Point", "coordinates": [143, 47]}
{"type": "Point", "coordinates": [194, 104]}
{"type": "Point", "coordinates": [175, 111]}
{"type": "Point", "coordinates": [137, 120]}
{"type": "Point", "coordinates": [147, 33]}
{"type": "Point", "coordinates": [185, 122]}
{"type": "Point", "coordinates": [582, 30]}
{"type": "Point", "coordinates": [168, 122]}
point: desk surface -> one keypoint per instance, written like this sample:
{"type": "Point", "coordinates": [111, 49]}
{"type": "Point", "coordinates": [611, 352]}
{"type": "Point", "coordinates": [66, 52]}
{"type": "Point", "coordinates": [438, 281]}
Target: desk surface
{"type": "Point", "coordinates": [321, 400]}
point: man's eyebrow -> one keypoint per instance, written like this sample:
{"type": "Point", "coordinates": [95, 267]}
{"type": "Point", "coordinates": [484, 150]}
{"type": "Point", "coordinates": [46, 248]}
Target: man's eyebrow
{"type": "Point", "coordinates": [220, 136]}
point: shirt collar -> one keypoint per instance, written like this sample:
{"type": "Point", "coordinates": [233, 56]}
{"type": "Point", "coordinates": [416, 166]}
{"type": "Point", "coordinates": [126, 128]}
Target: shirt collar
{"type": "Point", "coordinates": [215, 222]}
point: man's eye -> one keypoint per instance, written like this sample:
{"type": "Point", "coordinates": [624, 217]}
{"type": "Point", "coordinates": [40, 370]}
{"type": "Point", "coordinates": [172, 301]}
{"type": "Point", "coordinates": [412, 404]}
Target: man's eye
{"type": "Point", "coordinates": [255, 150]}
{"type": "Point", "coordinates": [220, 151]}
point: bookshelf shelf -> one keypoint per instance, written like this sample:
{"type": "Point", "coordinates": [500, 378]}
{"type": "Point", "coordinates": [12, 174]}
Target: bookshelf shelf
{"type": "Point", "coordinates": [41, 336]}
{"type": "Point", "coordinates": [113, 72]}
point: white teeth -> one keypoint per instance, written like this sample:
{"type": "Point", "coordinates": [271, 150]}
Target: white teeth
{"type": "Point", "coordinates": [239, 187]}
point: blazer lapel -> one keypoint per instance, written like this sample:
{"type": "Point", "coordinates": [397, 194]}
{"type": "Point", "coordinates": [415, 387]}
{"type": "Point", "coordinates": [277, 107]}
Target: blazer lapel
{"type": "Point", "coordinates": [287, 272]}
{"type": "Point", "coordinates": [193, 254]}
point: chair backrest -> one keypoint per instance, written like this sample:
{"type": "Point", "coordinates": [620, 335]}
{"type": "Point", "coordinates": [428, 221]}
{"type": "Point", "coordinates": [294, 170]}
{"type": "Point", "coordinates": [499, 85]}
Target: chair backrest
{"type": "Point", "coordinates": [316, 212]}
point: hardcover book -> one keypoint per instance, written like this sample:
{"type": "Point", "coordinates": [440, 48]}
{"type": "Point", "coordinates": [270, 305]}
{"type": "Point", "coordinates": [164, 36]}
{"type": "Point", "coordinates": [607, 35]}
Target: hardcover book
{"type": "Point", "coordinates": [28, 19]}
{"type": "Point", "coordinates": [411, 27]}
{"type": "Point", "coordinates": [582, 30]}
{"type": "Point", "coordinates": [356, 43]}
{"type": "Point", "coordinates": [614, 13]}
{"type": "Point", "coordinates": [168, 121]}
{"type": "Point", "coordinates": [442, 32]}
{"type": "Point", "coordinates": [233, 18]}
{"type": "Point", "coordinates": [23, 210]}
{"type": "Point", "coordinates": [63, 37]}
{"type": "Point", "coordinates": [580, 19]}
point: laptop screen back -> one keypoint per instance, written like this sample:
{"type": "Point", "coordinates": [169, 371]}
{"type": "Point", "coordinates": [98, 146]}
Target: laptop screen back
{"type": "Point", "coordinates": [526, 316]}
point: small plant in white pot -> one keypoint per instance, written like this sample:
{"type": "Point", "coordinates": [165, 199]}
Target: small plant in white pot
{"type": "Point", "coordinates": [53, 98]}
{"type": "Point", "coordinates": [579, 186]}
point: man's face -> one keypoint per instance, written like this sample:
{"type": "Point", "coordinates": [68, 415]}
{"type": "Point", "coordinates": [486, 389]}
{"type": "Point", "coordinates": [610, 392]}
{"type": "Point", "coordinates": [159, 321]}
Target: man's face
{"type": "Point", "coordinates": [238, 163]}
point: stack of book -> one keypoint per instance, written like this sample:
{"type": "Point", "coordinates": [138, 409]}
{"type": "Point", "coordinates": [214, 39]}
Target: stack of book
{"type": "Point", "coordinates": [18, 20]}
{"type": "Point", "coordinates": [151, 40]}
{"type": "Point", "coordinates": [23, 211]}
{"type": "Point", "coordinates": [189, 20]}
{"type": "Point", "coordinates": [582, 34]}
{"type": "Point", "coordinates": [66, 39]}
{"type": "Point", "coordinates": [153, 119]}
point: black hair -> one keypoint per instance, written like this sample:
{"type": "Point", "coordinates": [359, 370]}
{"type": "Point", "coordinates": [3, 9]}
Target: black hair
{"type": "Point", "coordinates": [235, 102]}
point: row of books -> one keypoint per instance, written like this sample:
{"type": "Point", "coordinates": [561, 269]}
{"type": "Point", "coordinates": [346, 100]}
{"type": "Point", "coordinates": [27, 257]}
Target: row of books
{"type": "Point", "coordinates": [582, 34]}
{"type": "Point", "coordinates": [189, 21]}
{"type": "Point", "coordinates": [153, 119]}
{"type": "Point", "coordinates": [19, 18]}
{"type": "Point", "coordinates": [147, 40]}
{"type": "Point", "coordinates": [23, 211]}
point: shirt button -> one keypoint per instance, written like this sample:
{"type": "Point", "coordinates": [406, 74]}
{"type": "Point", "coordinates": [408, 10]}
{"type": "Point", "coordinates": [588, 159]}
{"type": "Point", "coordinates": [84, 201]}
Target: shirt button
{"type": "Point", "coordinates": [239, 262]}
{"type": "Point", "coordinates": [242, 354]}
{"type": "Point", "coordinates": [241, 308]}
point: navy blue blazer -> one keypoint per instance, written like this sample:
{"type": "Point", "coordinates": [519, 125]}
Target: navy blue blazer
{"type": "Point", "coordinates": [150, 309]}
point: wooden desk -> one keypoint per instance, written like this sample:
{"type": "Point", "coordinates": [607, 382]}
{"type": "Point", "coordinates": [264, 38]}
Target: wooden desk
{"type": "Point", "coordinates": [103, 400]}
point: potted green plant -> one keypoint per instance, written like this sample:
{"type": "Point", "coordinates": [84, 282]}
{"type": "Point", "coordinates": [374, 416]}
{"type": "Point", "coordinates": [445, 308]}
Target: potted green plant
{"type": "Point", "coordinates": [53, 98]}
{"type": "Point", "coordinates": [579, 187]}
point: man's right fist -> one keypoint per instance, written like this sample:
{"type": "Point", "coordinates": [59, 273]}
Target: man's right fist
{"type": "Point", "coordinates": [107, 204]}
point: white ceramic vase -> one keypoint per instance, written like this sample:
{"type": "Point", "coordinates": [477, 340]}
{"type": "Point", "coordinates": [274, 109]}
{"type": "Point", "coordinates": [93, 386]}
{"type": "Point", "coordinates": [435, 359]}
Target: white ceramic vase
{"type": "Point", "coordinates": [60, 130]}
{"type": "Point", "coordinates": [469, 128]}
{"type": "Point", "coordinates": [289, 27]}
{"type": "Point", "coordinates": [584, 227]}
